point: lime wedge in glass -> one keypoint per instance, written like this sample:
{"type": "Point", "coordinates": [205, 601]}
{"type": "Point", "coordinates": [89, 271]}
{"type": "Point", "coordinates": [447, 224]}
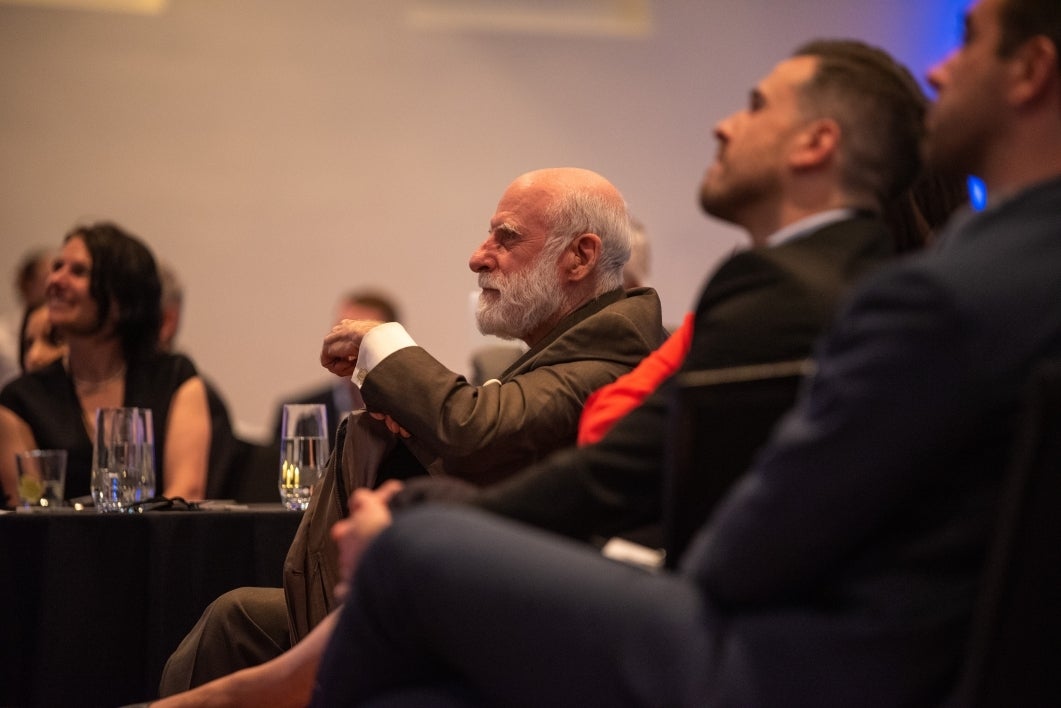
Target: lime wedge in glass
{"type": "Point", "coordinates": [30, 490]}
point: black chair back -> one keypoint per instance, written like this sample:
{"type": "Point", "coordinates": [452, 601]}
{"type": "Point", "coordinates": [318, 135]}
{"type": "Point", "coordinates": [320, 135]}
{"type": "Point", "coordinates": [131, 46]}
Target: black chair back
{"type": "Point", "coordinates": [1014, 651]}
{"type": "Point", "coordinates": [255, 473]}
{"type": "Point", "coordinates": [719, 420]}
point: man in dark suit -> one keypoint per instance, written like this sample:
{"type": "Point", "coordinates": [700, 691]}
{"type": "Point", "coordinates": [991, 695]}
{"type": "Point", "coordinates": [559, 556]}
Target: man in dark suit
{"type": "Point", "coordinates": [842, 569]}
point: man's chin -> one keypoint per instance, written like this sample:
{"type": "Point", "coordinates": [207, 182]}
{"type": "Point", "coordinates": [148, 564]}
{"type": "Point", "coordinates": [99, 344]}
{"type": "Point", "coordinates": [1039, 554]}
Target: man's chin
{"type": "Point", "coordinates": [712, 197]}
{"type": "Point", "coordinates": [712, 205]}
{"type": "Point", "coordinates": [493, 327]}
{"type": "Point", "coordinates": [490, 328]}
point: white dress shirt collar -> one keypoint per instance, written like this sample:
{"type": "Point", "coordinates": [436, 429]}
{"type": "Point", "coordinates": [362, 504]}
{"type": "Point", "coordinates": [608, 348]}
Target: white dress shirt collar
{"type": "Point", "coordinates": [807, 225]}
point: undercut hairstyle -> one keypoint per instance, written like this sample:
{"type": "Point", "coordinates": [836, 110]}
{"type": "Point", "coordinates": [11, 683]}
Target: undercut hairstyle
{"type": "Point", "coordinates": [124, 276]}
{"type": "Point", "coordinates": [880, 109]}
{"type": "Point", "coordinates": [578, 212]}
{"type": "Point", "coordinates": [1020, 20]}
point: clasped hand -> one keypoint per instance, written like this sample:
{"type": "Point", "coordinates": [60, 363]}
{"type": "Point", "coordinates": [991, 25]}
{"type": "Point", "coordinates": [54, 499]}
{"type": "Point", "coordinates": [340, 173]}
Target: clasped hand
{"type": "Point", "coordinates": [341, 345]}
{"type": "Point", "coordinates": [339, 356]}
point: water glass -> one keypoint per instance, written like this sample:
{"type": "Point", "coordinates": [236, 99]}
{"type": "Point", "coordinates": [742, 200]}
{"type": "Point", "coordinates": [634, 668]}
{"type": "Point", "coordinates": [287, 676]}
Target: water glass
{"type": "Point", "coordinates": [123, 458]}
{"type": "Point", "coordinates": [41, 478]}
{"type": "Point", "coordinates": [303, 452]}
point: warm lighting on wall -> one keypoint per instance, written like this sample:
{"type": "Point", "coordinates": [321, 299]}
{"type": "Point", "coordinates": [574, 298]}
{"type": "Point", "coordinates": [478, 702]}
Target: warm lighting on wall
{"type": "Point", "coordinates": [617, 18]}
{"type": "Point", "coordinates": [136, 7]}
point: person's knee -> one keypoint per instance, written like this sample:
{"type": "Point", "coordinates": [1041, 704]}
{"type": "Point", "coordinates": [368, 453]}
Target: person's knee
{"type": "Point", "coordinates": [420, 539]}
{"type": "Point", "coordinates": [265, 607]}
{"type": "Point", "coordinates": [241, 628]}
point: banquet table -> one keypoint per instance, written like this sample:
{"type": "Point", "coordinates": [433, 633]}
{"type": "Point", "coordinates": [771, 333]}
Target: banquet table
{"type": "Point", "coordinates": [91, 605]}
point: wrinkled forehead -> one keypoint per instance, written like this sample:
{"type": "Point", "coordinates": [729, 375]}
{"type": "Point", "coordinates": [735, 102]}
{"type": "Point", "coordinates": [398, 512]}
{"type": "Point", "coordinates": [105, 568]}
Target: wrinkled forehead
{"type": "Point", "coordinates": [523, 207]}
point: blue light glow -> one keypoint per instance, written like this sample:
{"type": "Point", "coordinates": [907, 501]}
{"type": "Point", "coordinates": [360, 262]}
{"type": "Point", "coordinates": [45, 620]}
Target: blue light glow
{"type": "Point", "coordinates": [977, 193]}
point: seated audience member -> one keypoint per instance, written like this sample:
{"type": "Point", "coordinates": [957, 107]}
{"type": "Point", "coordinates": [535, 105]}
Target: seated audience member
{"type": "Point", "coordinates": [490, 362]}
{"type": "Point", "coordinates": [39, 342]}
{"type": "Point", "coordinates": [342, 396]}
{"type": "Point", "coordinates": [811, 218]}
{"type": "Point", "coordinates": [103, 300]}
{"type": "Point", "coordinates": [30, 277]}
{"type": "Point", "coordinates": [551, 276]}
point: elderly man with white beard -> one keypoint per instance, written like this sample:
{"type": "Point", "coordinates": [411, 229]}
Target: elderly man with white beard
{"type": "Point", "coordinates": [551, 275]}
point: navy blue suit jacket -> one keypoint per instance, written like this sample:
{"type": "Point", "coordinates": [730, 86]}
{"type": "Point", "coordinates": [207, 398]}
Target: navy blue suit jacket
{"type": "Point", "coordinates": [847, 560]}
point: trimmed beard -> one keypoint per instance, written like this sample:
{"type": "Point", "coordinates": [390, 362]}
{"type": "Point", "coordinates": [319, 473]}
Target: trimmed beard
{"type": "Point", "coordinates": [524, 299]}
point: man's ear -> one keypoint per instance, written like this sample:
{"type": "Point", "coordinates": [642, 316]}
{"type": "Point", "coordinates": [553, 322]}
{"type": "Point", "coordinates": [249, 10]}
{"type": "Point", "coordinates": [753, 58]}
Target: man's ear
{"type": "Point", "coordinates": [1034, 67]}
{"type": "Point", "coordinates": [581, 257]}
{"type": "Point", "coordinates": [816, 144]}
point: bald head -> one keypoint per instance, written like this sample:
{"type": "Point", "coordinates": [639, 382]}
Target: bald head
{"type": "Point", "coordinates": [576, 201]}
{"type": "Point", "coordinates": [561, 180]}
{"type": "Point", "coordinates": [559, 237]}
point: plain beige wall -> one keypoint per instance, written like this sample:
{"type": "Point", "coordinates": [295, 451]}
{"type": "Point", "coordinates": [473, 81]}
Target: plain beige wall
{"type": "Point", "coordinates": [278, 153]}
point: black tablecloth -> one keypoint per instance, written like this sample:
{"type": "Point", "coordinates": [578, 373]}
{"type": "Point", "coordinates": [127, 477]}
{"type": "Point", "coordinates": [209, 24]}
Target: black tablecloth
{"type": "Point", "coordinates": [91, 605]}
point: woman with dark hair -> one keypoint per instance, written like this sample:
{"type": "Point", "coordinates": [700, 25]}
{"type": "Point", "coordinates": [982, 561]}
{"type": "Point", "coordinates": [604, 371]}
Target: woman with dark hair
{"type": "Point", "coordinates": [103, 298]}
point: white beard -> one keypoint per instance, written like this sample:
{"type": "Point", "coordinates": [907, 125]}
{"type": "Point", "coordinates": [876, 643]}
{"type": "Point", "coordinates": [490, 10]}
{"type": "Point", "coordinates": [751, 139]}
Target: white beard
{"type": "Point", "coordinates": [523, 302]}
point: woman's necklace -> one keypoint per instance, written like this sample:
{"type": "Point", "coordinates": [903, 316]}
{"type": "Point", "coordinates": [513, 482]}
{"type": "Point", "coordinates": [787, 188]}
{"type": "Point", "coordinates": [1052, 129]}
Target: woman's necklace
{"type": "Point", "coordinates": [87, 387]}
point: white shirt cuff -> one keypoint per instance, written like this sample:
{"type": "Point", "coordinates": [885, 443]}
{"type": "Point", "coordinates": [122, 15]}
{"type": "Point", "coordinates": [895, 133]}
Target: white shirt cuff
{"type": "Point", "coordinates": [379, 343]}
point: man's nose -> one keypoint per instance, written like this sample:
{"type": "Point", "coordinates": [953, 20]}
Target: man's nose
{"type": "Point", "coordinates": [481, 259]}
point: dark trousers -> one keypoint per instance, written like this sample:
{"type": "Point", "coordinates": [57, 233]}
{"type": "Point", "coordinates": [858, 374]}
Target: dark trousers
{"type": "Point", "coordinates": [470, 609]}
{"type": "Point", "coordinates": [242, 628]}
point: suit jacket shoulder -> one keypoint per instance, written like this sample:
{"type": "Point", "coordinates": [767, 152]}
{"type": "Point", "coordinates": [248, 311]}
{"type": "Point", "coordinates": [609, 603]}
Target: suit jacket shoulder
{"type": "Point", "coordinates": [770, 304]}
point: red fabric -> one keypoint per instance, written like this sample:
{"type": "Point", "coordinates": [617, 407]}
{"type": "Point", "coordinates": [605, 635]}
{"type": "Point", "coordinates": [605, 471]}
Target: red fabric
{"type": "Point", "coordinates": [609, 403]}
